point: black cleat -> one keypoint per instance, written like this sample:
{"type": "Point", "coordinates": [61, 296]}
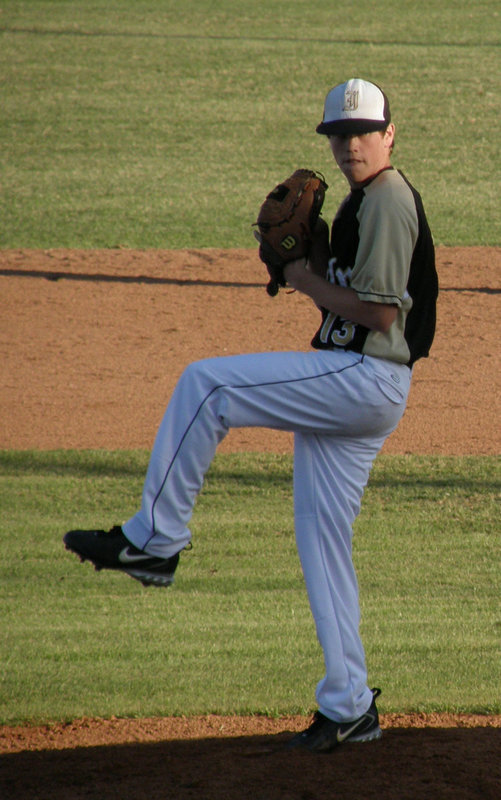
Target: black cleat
{"type": "Point", "coordinates": [324, 735]}
{"type": "Point", "coordinates": [112, 550]}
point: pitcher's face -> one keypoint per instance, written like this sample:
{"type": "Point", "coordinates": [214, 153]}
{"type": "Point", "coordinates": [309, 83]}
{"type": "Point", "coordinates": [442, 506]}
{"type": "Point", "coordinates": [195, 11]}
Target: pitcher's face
{"type": "Point", "coordinates": [361, 156]}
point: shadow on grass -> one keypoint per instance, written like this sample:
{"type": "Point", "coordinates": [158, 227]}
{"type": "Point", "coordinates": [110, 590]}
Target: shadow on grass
{"type": "Point", "coordinates": [234, 469]}
{"type": "Point", "coordinates": [237, 471]}
{"type": "Point", "coordinates": [78, 463]}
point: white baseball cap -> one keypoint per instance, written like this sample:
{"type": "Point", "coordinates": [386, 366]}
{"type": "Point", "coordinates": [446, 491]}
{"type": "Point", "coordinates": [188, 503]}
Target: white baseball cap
{"type": "Point", "coordinates": [356, 106]}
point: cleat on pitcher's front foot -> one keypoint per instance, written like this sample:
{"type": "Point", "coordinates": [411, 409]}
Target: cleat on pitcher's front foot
{"type": "Point", "coordinates": [112, 550]}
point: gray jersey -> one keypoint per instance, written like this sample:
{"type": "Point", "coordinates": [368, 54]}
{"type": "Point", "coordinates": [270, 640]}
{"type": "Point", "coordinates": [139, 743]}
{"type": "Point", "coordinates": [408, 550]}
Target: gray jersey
{"type": "Point", "coordinates": [382, 248]}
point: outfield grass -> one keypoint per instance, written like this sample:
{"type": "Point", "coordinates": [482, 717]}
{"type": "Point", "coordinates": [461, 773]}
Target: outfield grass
{"type": "Point", "coordinates": [162, 125]}
{"type": "Point", "coordinates": [234, 634]}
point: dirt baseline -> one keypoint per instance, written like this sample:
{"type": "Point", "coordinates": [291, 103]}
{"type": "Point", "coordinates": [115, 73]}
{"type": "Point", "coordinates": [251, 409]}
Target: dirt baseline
{"type": "Point", "coordinates": [92, 343]}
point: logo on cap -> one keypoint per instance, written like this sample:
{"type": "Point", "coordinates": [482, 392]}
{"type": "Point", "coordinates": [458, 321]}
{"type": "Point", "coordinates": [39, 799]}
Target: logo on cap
{"type": "Point", "coordinates": [351, 100]}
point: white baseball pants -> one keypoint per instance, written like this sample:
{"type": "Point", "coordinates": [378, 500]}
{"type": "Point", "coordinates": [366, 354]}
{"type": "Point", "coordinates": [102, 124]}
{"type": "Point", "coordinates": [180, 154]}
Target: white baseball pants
{"type": "Point", "coordinates": [341, 407]}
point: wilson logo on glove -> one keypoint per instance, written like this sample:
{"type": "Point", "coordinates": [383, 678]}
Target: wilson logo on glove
{"type": "Point", "coordinates": [286, 222]}
{"type": "Point", "coordinates": [289, 242]}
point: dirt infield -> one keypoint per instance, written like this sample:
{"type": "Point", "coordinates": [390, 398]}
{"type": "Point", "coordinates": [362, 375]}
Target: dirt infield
{"type": "Point", "coordinates": [92, 343]}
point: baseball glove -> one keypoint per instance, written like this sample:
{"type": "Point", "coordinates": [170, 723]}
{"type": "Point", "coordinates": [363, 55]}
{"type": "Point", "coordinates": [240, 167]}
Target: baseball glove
{"type": "Point", "coordinates": [286, 222]}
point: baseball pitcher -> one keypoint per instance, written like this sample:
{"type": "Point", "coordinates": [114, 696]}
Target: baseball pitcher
{"type": "Point", "coordinates": [372, 276]}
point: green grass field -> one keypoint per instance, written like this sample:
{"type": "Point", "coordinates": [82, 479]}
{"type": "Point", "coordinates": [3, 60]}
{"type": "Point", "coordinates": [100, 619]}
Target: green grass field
{"type": "Point", "coordinates": [140, 124]}
{"type": "Point", "coordinates": [234, 634]}
{"type": "Point", "coordinates": [162, 125]}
